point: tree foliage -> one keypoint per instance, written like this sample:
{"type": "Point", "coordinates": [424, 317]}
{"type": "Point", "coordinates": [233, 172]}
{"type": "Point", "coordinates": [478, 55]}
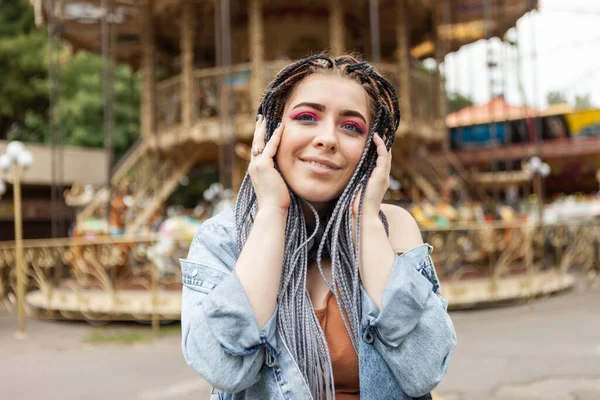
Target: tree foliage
{"type": "Point", "coordinates": [556, 97]}
{"type": "Point", "coordinates": [81, 103]}
{"type": "Point", "coordinates": [79, 106]}
{"type": "Point", "coordinates": [23, 87]}
{"type": "Point", "coordinates": [583, 102]}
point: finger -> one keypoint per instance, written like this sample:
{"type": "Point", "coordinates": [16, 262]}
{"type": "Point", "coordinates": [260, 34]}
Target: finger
{"type": "Point", "coordinates": [356, 201]}
{"type": "Point", "coordinates": [382, 153]}
{"type": "Point", "coordinates": [258, 140]}
{"type": "Point", "coordinates": [389, 159]}
{"type": "Point", "coordinates": [273, 143]}
{"type": "Point", "coordinates": [380, 145]}
{"type": "Point", "coordinates": [383, 165]}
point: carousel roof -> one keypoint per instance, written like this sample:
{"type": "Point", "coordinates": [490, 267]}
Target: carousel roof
{"type": "Point", "coordinates": [462, 21]}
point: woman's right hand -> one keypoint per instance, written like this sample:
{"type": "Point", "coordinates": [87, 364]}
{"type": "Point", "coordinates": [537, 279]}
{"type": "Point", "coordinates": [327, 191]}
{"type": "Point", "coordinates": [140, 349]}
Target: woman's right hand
{"type": "Point", "coordinates": [270, 188]}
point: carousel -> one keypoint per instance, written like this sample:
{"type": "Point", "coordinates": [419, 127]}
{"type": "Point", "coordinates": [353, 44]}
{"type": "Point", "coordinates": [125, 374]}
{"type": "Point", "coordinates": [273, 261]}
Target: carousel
{"type": "Point", "coordinates": [203, 67]}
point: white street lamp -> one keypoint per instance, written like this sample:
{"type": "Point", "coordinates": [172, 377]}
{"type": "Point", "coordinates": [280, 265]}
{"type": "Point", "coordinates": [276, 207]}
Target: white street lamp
{"type": "Point", "coordinates": [534, 163]}
{"type": "Point", "coordinates": [539, 170]}
{"type": "Point", "coordinates": [544, 170]}
{"type": "Point", "coordinates": [18, 159]}
{"type": "Point", "coordinates": [5, 162]}
{"type": "Point", "coordinates": [14, 149]}
{"type": "Point", "coordinates": [25, 159]}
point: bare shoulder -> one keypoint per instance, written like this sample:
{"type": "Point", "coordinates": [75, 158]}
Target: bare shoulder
{"type": "Point", "coordinates": [404, 231]}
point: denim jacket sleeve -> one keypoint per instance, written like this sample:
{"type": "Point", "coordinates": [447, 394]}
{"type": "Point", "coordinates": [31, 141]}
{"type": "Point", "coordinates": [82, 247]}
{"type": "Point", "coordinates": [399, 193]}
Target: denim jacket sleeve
{"type": "Point", "coordinates": [221, 339]}
{"type": "Point", "coordinates": [413, 331]}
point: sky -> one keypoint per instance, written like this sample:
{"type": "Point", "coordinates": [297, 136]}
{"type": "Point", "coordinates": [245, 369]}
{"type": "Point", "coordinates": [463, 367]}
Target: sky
{"type": "Point", "coordinates": [567, 35]}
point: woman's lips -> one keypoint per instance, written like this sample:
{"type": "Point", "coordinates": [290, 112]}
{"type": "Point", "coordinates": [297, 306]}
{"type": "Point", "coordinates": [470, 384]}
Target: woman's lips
{"type": "Point", "coordinates": [319, 168]}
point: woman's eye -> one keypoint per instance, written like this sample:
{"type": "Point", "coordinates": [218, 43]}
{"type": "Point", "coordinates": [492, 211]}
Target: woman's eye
{"type": "Point", "coordinates": [305, 117]}
{"type": "Point", "coordinates": [352, 127]}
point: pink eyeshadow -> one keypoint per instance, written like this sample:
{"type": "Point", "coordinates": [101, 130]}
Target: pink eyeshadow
{"type": "Point", "coordinates": [360, 125]}
{"type": "Point", "coordinates": [296, 114]}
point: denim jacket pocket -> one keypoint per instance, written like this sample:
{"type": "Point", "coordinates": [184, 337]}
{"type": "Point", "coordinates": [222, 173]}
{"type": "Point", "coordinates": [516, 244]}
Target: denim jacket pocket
{"type": "Point", "coordinates": [199, 277]}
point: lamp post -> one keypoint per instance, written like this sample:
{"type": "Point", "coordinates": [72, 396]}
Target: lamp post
{"type": "Point", "coordinates": [539, 170]}
{"type": "Point", "coordinates": [18, 159]}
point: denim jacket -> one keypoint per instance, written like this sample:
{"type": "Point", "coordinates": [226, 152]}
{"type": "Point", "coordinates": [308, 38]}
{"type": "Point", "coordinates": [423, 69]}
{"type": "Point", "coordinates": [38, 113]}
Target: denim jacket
{"type": "Point", "coordinates": [404, 349]}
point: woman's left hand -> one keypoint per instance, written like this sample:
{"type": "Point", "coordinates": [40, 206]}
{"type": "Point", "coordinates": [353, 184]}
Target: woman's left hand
{"type": "Point", "coordinates": [377, 185]}
{"type": "Point", "coordinates": [376, 254]}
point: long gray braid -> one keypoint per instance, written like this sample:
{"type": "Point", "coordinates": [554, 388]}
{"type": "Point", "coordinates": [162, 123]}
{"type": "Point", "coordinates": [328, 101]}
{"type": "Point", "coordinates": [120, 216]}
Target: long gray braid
{"type": "Point", "coordinates": [296, 319]}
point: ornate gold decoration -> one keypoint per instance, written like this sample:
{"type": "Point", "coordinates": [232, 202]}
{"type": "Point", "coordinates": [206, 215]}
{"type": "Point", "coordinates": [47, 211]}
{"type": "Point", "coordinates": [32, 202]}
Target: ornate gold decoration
{"type": "Point", "coordinates": [130, 277]}
{"type": "Point", "coordinates": [102, 279]}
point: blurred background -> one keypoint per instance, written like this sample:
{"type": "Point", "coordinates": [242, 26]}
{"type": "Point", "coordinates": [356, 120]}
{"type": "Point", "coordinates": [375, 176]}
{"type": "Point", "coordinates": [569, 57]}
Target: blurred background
{"type": "Point", "coordinates": [124, 124]}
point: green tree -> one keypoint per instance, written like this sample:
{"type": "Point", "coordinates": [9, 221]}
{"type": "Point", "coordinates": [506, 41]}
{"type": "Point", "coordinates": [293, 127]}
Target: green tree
{"type": "Point", "coordinates": [17, 17]}
{"type": "Point", "coordinates": [81, 103]}
{"type": "Point", "coordinates": [583, 102]}
{"type": "Point", "coordinates": [556, 97]}
{"type": "Point", "coordinates": [24, 88]}
{"type": "Point", "coordinates": [457, 101]}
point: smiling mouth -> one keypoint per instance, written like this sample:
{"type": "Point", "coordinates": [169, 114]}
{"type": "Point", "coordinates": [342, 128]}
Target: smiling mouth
{"type": "Point", "coordinates": [319, 163]}
{"type": "Point", "coordinates": [316, 164]}
{"type": "Point", "coordinates": [317, 167]}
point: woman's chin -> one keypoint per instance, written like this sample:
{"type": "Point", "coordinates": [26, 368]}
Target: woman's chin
{"type": "Point", "coordinates": [317, 198]}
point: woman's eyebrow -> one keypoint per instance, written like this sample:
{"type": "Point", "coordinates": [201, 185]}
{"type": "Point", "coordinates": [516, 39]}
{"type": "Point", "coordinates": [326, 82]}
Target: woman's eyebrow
{"type": "Point", "coordinates": [316, 106]}
{"type": "Point", "coordinates": [352, 113]}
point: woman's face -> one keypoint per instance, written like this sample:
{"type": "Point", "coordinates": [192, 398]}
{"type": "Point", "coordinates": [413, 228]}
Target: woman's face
{"type": "Point", "coordinates": [326, 122]}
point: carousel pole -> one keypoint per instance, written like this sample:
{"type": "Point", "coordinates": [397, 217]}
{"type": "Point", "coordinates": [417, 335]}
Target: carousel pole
{"type": "Point", "coordinates": [535, 101]}
{"type": "Point", "coordinates": [491, 65]}
{"type": "Point", "coordinates": [147, 105]}
{"type": "Point", "coordinates": [257, 50]}
{"type": "Point", "coordinates": [107, 90]}
{"type": "Point", "coordinates": [187, 64]}
{"type": "Point", "coordinates": [227, 137]}
{"type": "Point", "coordinates": [440, 50]}
{"type": "Point", "coordinates": [374, 26]}
{"type": "Point", "coordinates": [256, 44]}
{"type": "Point", "coordinates": [336, 27]}
{"type": "Point", "coordinates": [404, 81]}
{"type": "Point", "coordinates": [52, 97]}
{"type": "Point", "coordinates": [403, 60]}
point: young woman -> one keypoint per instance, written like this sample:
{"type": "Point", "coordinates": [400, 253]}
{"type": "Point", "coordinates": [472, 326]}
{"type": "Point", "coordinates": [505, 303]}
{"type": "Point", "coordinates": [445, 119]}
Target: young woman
{"type": "Point", "coordinates": [312, 288]}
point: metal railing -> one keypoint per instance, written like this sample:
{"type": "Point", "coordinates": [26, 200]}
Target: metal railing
{"type": "Point", "coordinates": [207, 83]}
{"type": "Point", "coordinates": [101, 279]}
{"type": "Point", "coordinates": [168, 102]}
{"type": "Point", "coordinates": [493, 252]}
{"type": "Point", "coordinates": [111, 278]}
{"type": "Point", "coordinates": [206, 86]}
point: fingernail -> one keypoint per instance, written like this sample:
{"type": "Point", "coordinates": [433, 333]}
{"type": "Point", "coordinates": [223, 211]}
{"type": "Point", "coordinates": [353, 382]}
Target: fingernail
{"type": "Point", "coordinates": [278, 125]}
{"type": "Point", "coordinates": [257, 117]}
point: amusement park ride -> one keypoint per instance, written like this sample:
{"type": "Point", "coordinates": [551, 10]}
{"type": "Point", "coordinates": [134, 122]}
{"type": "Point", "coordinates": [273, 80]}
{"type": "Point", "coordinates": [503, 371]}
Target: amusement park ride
{"type": "Point", "coordinates": [204, 65]}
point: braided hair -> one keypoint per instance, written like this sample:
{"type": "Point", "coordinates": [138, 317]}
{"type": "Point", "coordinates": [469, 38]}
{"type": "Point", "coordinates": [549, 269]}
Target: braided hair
{"type": "Point", "coordinates": [296, 319]}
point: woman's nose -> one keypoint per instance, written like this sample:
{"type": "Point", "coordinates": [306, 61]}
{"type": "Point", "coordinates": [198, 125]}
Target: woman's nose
{"type": "Point", "coordinates": [326, 139]}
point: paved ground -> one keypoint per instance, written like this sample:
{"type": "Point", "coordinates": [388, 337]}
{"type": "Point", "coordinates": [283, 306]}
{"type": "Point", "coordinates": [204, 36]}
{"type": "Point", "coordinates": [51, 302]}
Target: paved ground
{"type": "Point", "coordinates": [546, 350]}
{"type": "Point", "coordinates": [56, 363]}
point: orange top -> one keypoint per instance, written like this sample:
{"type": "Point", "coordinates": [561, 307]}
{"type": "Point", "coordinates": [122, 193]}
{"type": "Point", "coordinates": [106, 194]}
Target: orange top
{"type": "Point", "coordinates": [343, 357]}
